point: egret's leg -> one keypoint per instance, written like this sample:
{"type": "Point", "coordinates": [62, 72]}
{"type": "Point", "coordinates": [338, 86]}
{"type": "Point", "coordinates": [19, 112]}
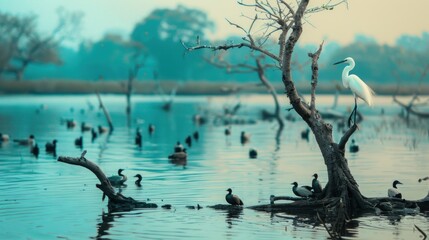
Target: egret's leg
{"type": "Point", "coordinates": [355, 110]}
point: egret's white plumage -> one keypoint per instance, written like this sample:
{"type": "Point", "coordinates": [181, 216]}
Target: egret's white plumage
{"type": "Point", "coordinates": [356, 85]}
{"type": "Point", "coordinates": [393, 192]}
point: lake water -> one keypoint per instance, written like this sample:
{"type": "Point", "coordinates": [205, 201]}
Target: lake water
{"type": "Point", "coordinates": [45, 199]}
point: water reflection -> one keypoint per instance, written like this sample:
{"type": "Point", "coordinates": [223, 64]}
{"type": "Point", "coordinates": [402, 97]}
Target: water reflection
{"type": "Point", "coordinates": [232, 214]}
{"type": "Point", "coordinates": [214, 162]}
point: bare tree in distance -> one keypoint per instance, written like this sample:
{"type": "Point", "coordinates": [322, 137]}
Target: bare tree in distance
{"type": "Point", "coordinates": [259, 67]}
{"type": "Point", "coordinates": [411, 108]}
{"type": "Point", "coordinates": [341, 199]}
{"type": "Point", "coordinates": [21, 44]}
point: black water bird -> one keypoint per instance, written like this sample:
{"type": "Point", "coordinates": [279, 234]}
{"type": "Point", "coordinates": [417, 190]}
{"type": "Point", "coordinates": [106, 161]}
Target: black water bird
{"type": "Point", "coordinates": [119, 179]}
{"type": "Point", "coordinates": [51, 147]}
{"type": "Point", "coordinates": [138, 139]}
{"type": "Point", "coordinates": [303, 191]}
{"type": "Point", "coordinates": [354, 147]}
{"type": "Point", "coordinates": [102, 129]}
{"type": "Point", "coordinates": [244, 138]}
{"type": "Point", "coordinates": [70, 123]}
{"type": "Point", "coordinates": [139, 179]}
{"type": "Point", "coordinates": [227, 131]}
{"type": "Point", "coordinates": [4, 137]}
{"type": "Point", "coordinates": [188, 141]}
{"type": "Point", "coordinates": [85, 127]}
{"type": "Point", "coordinates": [315, 184]}
{"type": "Point", "coordinates": [176, 156]}
{"type": "Point", "coordinates": [35, 150]}
{"type": "Point", "coordinates": [26, 142]}
{"type": "Point", "coordinates": [393, 192]}
{"type": "Point", "coordinates": [196, 136]}
{"type": "Point", "coordinates": [78, 141]}
{"type": "Point", "coordinates": [151, 129]}
{"type": "Point", "coordinates": [232, 199]}
{"type": "Point", "coordinates": [94, 134]}
{"type": "Point", "coordinates": [305, 134]}
{"type": "Point", "coordinates": [253, 153]}
{"type": "Point", "coordinates": [178, 147]}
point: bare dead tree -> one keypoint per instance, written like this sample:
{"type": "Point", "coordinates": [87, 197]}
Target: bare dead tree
{"type": "Point", "coordinates": [106, 113]}
{"type": "Point", "coordinates": [414, 102]}
{"type": "Point", "coordinates": [138, 59]}
{"type": "Point", "coordinates": [341, 199]}
{"type": "Point", "coordinates": [259, 68]}
{"type": "Point", "coordinates": [25, 45]}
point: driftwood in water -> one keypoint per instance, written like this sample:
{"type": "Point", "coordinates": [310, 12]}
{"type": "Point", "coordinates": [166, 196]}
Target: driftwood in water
{"type": "Point", "coordinates": [106, 113]}
{"type": "Point", "coordinates": [410, 107]}
{"type": "Point", "coordinates": [117, 201]}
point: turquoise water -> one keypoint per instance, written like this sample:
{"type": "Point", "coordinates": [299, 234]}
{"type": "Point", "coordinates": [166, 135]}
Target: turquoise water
{"type": "Point", "coordinates": [45, 199]}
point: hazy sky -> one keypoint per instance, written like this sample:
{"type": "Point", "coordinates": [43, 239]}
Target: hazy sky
{"type": "Point", "coordinates": [384, 20]}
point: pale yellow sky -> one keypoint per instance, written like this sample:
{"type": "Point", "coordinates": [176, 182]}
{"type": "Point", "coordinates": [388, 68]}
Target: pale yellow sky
{"type": "Point", "coordinates": [384, 20]}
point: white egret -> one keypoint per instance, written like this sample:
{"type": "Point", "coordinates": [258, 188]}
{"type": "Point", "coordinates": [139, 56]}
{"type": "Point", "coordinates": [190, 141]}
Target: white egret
{"type": "Point", "coordinates": [393, 192]}
{"type": "Point", "coordinates": [232, 199]}
{"type": "Point", "coordinates": [356, 85]}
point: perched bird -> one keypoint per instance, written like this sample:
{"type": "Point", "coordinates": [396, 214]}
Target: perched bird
{"type": "Point", "coordinates": [303, 191]}
{"type": "Point", "coordinates": [151, 129]}
{"type": "Point", "coordinates": [232, 199]}
{"type": "Point", "coordinates": [85, 127]}
{"type": "Point", "coordinates": [228, 131]}
{"type": "Point", "coordinates": [188, 141]}
{"type": "Point", "coordinates": [94, 134]}
{"type": "Point", "coordinates": [26, 142]}
{"type": "Point", "coordinates": [35, 150]}
{"type": "Point", "coordinates": [4, 137]}
{"type": "Point", "coordinates": [178, 147]}
{"type": "Point", "coordinates": [354, 147]}
{"type": "Point", "coordinates": [253, 153]}
{"type": "Point", "coordinates": [315, 184]}
{"type": "Point", "coordinates": [196, 136]}
{"type": "Point", "coordinates": [356, 85]}
{"type": "Point", "coordinates": [244, 138]}
{"type": "Point", "coordinates": [119, 179]}
{"type": "Point", "coordinates": [305, 133]}
{"type": "Point", "coordinates": [139, 179]}
{"type": "Point", "coordinates": [51, 147]}
{"type": "Point", "coordinates": [102, 129]}
{"type": "Point", "coordinates": [393, 192]}
{"type": "Point", "coordinates": [78, 142]}
{"type": "Point", "coordinates": [138, 139]}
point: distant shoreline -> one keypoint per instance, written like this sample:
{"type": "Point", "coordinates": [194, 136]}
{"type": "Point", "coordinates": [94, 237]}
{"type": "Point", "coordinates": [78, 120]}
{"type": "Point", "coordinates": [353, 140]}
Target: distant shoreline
{"type": "Point", "coordinates": [183, 88]}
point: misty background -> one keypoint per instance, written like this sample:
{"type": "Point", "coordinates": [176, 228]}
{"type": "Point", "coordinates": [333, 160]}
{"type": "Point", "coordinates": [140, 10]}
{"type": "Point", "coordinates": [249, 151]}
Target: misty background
{"type": "Point", "coordinates": [28, 53]}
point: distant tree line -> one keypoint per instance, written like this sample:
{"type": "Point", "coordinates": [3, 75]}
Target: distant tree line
{"type": "Point", "coordinates": [27, 53]}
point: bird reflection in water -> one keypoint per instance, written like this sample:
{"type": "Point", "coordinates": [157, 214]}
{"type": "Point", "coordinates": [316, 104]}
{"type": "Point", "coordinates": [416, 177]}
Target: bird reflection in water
{"type": "Point", "coordinates": [232, 214]}
{"type": "Point", "coordinates": [106, 223]}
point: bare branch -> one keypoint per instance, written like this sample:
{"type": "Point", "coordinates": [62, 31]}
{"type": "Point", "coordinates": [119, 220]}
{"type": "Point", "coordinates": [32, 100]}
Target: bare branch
{"type": "Point", "coordinates": [346, 136]}
{"type": "Point", "coordinates": [315, 73]}
{"type": "Point", "coordinates": [226, 47]}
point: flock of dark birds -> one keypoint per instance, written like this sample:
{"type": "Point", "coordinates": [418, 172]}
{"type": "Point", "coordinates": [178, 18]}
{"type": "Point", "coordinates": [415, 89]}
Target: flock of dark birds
{"type": "Point", "coordinates": [179, 157]}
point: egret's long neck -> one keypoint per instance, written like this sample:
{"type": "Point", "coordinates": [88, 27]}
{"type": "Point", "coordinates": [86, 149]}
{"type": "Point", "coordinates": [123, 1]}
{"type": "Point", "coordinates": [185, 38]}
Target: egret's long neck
{"type": "Point", "coordinates": [345, 74]}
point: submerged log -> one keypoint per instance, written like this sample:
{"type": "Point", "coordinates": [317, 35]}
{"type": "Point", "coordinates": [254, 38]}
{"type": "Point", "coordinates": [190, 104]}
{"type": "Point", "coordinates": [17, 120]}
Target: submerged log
{"type": "Point", "coordinates": [117, 201]}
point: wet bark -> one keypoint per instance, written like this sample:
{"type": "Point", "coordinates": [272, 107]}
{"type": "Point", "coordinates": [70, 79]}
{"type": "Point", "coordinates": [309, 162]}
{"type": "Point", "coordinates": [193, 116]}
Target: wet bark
{"type": "Point", "coordinates": [117, 201]}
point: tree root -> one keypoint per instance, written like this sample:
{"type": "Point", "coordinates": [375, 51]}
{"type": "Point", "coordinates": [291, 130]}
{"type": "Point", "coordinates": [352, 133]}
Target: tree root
{"type": "Point", "coordinates": [117, 201]}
